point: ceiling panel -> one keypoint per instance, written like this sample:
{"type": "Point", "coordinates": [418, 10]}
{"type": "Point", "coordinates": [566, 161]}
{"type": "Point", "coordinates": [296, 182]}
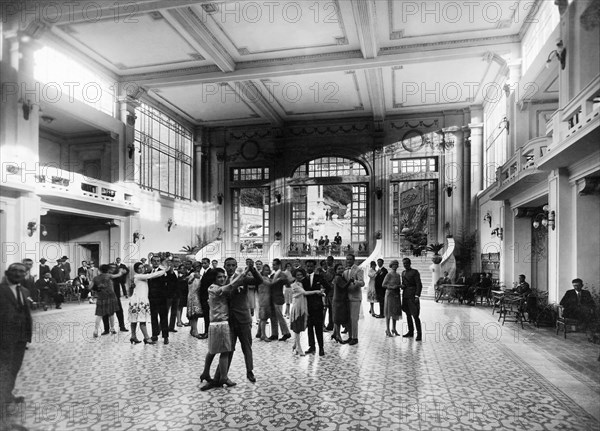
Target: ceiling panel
{"type": "Point", "coordinates": [207, 102]}
{"type": "Point", "coordinates": [147, 40]}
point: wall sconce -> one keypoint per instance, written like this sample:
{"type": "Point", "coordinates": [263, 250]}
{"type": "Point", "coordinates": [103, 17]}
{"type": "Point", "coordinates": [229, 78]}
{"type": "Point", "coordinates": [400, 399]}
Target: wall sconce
{"type": "Point", "coordinates": [378, 193]}
{"type": "Point", "coordinates": [445, 144]}
{"type": "Point", "coordinates": [31, 228]}
{"type": "Point", "coordinates": [499, 232]}
{"type": "Point", "coordinates": [546, 218]}
{"type": "Point", "coordinates": [130, 150]}
{"type": "Point", "coordinates": [137, 236]}
{"type": "Point", "coordinates": [560, 53]}
{"type": "Point", "coordinates": [220, 198]}
{"type": "Point", "coordinates": [278, 197]}
{"type": "Point", "coordinates": [449, 188]}
{"type": "Point", "coordinates": [504, 124]}
{"type": "Point", "coordinates": [27, 107]}
{"type": "Point", "coordinates": [44, 231]}
{"type": "Point", "coordinates": [170, 224]}
{"type": "Point", "coordinates": [488, 218]}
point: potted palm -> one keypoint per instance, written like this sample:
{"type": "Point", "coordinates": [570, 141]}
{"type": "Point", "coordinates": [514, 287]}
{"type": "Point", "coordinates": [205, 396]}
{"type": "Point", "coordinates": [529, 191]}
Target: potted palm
{"type": "Point", "coordinates": [435, 248]}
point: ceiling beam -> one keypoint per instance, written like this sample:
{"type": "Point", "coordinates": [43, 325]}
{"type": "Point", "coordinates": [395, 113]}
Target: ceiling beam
{"type": "Point", "coordinates": [364, 17]}
{"type": "Point", "coordinates": [374, 78]}
{"type": "Point", "coordinates": [268, 70]}
{"type": "Point", "coordinates": [250, 93]}
{"type": "Point", "coordinates": [191, 27]}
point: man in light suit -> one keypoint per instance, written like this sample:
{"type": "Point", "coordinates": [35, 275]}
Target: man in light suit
{"type": "Point", "coordinates": [15, 330]}
{"type": "Point", "coordinates": [355, 275]}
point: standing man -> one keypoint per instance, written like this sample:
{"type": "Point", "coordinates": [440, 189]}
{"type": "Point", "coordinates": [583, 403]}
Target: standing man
{"type": "Point", "coordinates": [43, 267]}
{"type": "Point", "coordinates": [240, 319]}
{"type": "Point", "coordinates": [208, 277]}
{"type": "Point", "coordinates": [66, 266]}
{"type": "Point", "coordinates": [84, 267]}
{"type": "Point", "coordinates": [117, 289]}
{"type": "Point", "coordinates": [379, 289]}
{"type": "Point", "coordinates": [92, 270]}
{"type": "Point", "coordinates": [411, 292]}
{"type": "Point", "coordinates": [277, 300]}
{"type": "Point", "coordinates": [122, 280]}
{"type": "Point", "coordinates": [58, 272]}
{"type": "Point", "coordinates": [314, 305]}
{"type": "Point", "coordinates": [15, 330]}
{"type": "Point", "coordinates": [355, 275]}
{"type": "Point", "coordinates": [157, 296]}
{"type": "Point", "coordinates": [328, 299]}
{"type": "Point", "coordinates": [171, 277]}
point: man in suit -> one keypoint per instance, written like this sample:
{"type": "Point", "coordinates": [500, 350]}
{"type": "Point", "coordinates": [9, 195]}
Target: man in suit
{"type": "Point", "coordinates": [578, 303]}
{"type": "Point", "coordinates": [92, 270]}
{"type": "Point", "coordinates": [208, 276]}
{"type": "Point", "coordinates": [277, 300]}
{"type": "Point", "coordinates": [58, 272]}
{"type": "Point", "coordinates": [172, 293]}
{"type": "Point", "coordinates": [82, 282]}
{"type": "Point", "coordinates": [411, 292]}
{"type": "Point", "coordinates": [314, 305]}
{"type": "Point", "coordinates": [48, 290]}
{"type": "Point", "coordinates": [66, 266]}
{"type": "Point", "coordinates": [15, 330]}
{"type": "Point", "coordinates": [122, 280]}
{"type": "Point", "coordinates": [355, 275]}
{"type": "Point", "coordinates": [379, 289]}
{"type": "Point", "coordinates": [157, 296]}
{"type": "Point", "coordinates": [117, 289]}
{"type": "Point", "coordinates": [84, 266]}
{"type": "Point", "coordinates": [329, 275]}
{"type": "Point", "coordinates": [240, 319]}
{"type": "Point", "coordinates": [43, 267]}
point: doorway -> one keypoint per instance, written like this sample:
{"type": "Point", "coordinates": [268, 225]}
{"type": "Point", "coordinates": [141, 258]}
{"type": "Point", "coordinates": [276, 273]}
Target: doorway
{"type": "Point", "coordinates": [88, 251]}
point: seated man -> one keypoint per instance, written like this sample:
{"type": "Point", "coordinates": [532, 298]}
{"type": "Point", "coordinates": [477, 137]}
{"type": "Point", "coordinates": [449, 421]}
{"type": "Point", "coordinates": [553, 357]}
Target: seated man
{"type": "Point", "coordinates": [522, 288]}
{"type": "Point", "coordinates": [578, 303]}
{"type": "Point", "coordinates": [443, 280]}
{"type": "Point", "coordinates": [81, 284]}
{"type": "Point", "coordinates": [49, 291]}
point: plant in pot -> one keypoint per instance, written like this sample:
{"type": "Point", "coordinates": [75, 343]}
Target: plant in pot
{"type": "Point", "coordinates": [435, 248]}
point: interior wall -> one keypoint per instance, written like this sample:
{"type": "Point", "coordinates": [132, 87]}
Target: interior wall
{"type": "Point", "coordinates": [588, 244]}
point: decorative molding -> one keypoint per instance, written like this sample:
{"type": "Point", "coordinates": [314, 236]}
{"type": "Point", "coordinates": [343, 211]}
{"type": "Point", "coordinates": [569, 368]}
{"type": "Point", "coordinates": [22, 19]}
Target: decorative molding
{"type": "Point", "coordinates": [364, 17]}
{"type": "Point", "coordinates": [588, 186]}
{"type": "Point", "coordinates": [450, 43]}
{"type": "Point", "coordinates": [325, 130]}
{"type": "Point", "coordinates": [413, 126]}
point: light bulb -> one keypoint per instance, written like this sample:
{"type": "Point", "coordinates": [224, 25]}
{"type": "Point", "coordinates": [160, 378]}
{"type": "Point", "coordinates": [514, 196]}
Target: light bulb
{"type": "Point", "coordinates": [536, 224]}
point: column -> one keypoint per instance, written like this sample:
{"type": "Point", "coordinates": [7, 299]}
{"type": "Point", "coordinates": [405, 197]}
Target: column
{"type": "Point", "coordinates": [127, 153]}
{"type": "Point", "coordinates": [454, 176]}
{"type": "Point", "coordinates": [466, 180]}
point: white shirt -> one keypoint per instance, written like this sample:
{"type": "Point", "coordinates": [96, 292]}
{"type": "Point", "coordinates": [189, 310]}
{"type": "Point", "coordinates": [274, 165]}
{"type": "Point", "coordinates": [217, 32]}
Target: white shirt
{"type": "Point", "coordinates": [13, 289]}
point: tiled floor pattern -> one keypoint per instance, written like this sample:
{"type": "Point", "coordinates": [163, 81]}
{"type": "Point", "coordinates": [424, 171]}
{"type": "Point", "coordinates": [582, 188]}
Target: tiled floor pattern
{"type": "Point", "coordinates": [469, 373]}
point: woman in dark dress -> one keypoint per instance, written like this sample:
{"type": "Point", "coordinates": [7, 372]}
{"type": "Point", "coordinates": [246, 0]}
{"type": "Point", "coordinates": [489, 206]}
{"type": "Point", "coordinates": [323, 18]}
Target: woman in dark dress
{"type": "Point", "coordinates": [340, 302]}
{"type": "Point", "coordinates": [106, 301]}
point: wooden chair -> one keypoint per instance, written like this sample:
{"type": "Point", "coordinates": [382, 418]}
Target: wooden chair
{"type": "Point", "coordinates": [564, 322]}
{"type": "Point", "coordinates": [512, 309]}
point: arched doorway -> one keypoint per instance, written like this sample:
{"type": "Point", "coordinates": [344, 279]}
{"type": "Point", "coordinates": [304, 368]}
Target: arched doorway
{"type": "Point", "coordinates": [329, 208]}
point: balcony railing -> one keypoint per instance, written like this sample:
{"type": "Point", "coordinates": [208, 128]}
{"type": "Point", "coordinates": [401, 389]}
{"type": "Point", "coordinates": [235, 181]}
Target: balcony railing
{"type": "Point", "coordinates": [524, 159]}
{"type": "Point", "coordinates": [69, 185]}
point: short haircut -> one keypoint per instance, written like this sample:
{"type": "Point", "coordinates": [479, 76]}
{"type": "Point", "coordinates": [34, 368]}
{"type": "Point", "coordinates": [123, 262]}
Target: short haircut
{"type": "Point", "coordinates": [522, 275]}
{"type": "Point", "coordinates": [277, 261]}
{"type": "Point", "coordinates": [229, 259]}
{"type": "Point", "coordinates": [221, 270]}
{"type": "Point", "coordinates": [406, 259]}
{"type": "Point", "coordinates": [312, 261]}
{"type": "Point", "coordinates": [27, 260]}
{"type": "Point", "coordinates": [350, 254]}
{"type": "Point", "coordinates": [205, 259]}
{"type": "Point", "coordinates": [301, 270]}
{"type": "Point", "coordinates": [104, 267]}
{"type": "Point", "coordinates": [577, 280]}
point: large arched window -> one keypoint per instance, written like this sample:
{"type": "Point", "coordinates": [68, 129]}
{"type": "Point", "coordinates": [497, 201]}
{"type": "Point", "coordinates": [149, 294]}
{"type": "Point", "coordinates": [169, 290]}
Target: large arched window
{"type": "Point", "coordinates": [329, 167]}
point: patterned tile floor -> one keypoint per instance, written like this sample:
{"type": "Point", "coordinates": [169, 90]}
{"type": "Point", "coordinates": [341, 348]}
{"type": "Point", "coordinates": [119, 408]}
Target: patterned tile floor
{"type": "Point", "coordinates": [469, 373]}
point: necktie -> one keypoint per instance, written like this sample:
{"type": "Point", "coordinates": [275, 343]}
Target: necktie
{"type": "Point", "coordinates": [19, 298]}
{"type": "Point", "coordinates": [347, 274]}
{"type": "Point", "coordinates": [578, 298]}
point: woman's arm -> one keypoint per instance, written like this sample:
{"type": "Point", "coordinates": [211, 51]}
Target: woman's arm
{"type": "Point", "coordinates": [149, 276]}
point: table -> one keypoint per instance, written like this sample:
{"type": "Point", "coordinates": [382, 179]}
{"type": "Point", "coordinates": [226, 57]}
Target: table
{"type": "Point", "coordinates": [450, 292]}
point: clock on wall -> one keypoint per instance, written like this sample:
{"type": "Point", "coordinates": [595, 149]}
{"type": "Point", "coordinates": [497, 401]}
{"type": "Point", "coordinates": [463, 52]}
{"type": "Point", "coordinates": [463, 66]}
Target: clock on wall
{"type": "Point", "coordinates": [412, 141]}
{"type": "Point", "coordinates": [249, 150]}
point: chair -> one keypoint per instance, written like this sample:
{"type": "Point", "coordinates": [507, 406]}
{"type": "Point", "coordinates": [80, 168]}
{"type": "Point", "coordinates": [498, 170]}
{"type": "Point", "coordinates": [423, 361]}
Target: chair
{"type": "Point", "coordinates": [512, 309]}
{"type": "Point", "coordinates": [564, 322]}
{"type": "Point", "coordinates": [497, 297]}
{"type": "Point", "coordinates": [483, 293]}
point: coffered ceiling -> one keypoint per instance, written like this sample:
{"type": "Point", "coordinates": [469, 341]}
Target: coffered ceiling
{"type": "Point", "coordinates": [252, 62]}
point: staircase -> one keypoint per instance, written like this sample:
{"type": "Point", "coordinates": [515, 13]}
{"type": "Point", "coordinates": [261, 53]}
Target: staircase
{"type": "Point", "coordinates": [422, 265]}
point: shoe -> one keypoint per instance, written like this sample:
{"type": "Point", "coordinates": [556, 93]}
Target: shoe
{"type": "Point", "coordinates": [251, 377]}
{"type": "Point", "coordinates": [95, 334]}
{"type": "Point", "coordinates": [210, 385]}
{"type": "Point", "coordinates": [126, 296]}
{"type": "Point", "coordinates": [285, 337]}
{"type": "Point", "coordinates": [345, 331]}
{"type": "Point", "coordinates": [273, 337]}
{"type": "Point", "coordinates": [408, 335]}
{"type": "Point", "coordinates": [17, 400]}
{"type": "Point", "coordinates": [321, 352]}
{"type": "Point", "coordinates": [149, 341]}
{"type": "Point", "coordinates": [173, 330]}
{"type": "Point", "coordinates": [155, 339]}
{"type": "Point", "coordinates": [227, 382]}
{"type": "Point", "coordinates": [45, 308]}
{"type": "Point", "coordinates": [380, 316]}
{"type": "Point", "coordinates": [202, 336]}
{"type": "Point", "coordinates": [113, 331]}
{"type": "Point", "coordinates": [166, 341]}
{"type": "Point", "coordinates": [388, 333]}
{"type": "Point", "coordinates": [325, 329]}
{"type": "Point", "coordinates": [418, 338]}
{"type": "Point", "coordinates": [347, 341]}
{"type": "Point", "coordinates": [265, 339]}
{"type": "Point", "coordinates": [186, 324]}
{"type": "Point", "coordinates": [310, 351]}
{"type": "Point", "coordinates": [329, 327]}
{"type": "Point", "coordinates": [257, 335]}
{"type": "Point", "coordinates": [105, 333]}
{"type": "Point", "coordinates": [123, 329]}
{"type": "Point", "coordinates": [371, 312]}
{"type": "Point", "coordinates": [134, 341]}
{"type": "Point", "coordinates": [395, 332]}
{"type": "Point", "coordinates": [58, 307]}
{"type": "Point", "coordinates": [205, 377]}
{"type": "Point", "coordinates": [353, 341]}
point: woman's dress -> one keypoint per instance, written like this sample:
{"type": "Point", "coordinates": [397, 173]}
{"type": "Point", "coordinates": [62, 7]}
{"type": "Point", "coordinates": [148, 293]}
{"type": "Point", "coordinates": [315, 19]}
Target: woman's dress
{"type": "Point", "coordinates": [194, 309]}
{"type": "Point", "coordinates": [392, 307]}
{"type": "Point", "coordinates": [106, 300]}
{"type": "Point", "coordinates": [264, 299]}
{"type": "Point", "coordinates": [299, 312]}
{"type": "Point", "coordinates": [139, 305]}
{"type": "Point", "coordinates": [371, 293]}
{"type": "Point", "coordinates": [219, 332]}
{"type": "Point", "coordinates": [340, 306]}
